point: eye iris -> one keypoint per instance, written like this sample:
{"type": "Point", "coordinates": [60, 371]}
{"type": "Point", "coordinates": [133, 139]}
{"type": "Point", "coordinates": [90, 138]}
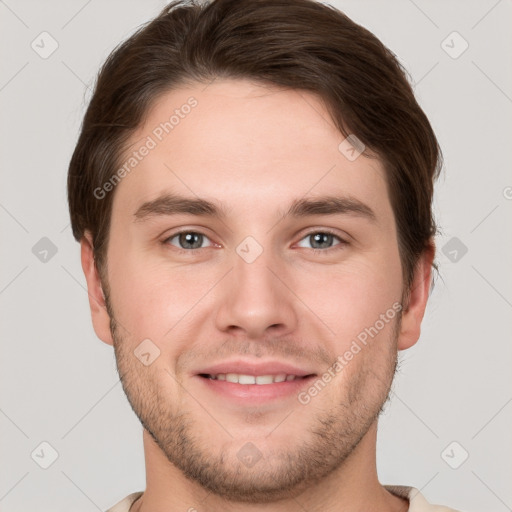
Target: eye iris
{"type": "Point", "coordinates": [322, 239]}
{"type": "Point", "coordinates": [194, 239]}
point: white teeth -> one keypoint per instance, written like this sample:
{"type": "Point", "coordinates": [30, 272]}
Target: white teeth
{"type": "Point", "coordinates": [251, 379]}
{"type": "Point", "coordinates": [264, 379]}
{"type": "Point", "coordinates": [246, 379]}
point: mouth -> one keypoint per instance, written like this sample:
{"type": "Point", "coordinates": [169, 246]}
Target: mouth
{"type": "Point", "coordinates": [244, 384]}
{"type": "Point", "coordinates": [259, 380]}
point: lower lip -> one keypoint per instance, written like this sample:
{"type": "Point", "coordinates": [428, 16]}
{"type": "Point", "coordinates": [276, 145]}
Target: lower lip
{"type": "Point", "coordinates": [256, 393]}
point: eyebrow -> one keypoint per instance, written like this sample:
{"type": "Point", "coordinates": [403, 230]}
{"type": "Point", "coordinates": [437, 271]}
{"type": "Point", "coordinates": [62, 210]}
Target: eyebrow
{"type": "Point", "coordinates": [170, 204]}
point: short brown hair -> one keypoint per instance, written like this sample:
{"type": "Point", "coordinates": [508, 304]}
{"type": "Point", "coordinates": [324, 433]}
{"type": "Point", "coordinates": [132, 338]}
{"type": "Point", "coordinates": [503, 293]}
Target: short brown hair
{"type": "Point", "coordinates": [296, 44]}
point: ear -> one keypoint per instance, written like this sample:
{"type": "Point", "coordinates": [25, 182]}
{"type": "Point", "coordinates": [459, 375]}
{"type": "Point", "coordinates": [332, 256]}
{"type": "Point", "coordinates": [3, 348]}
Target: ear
{"type": "Point", "coordinates": [415, 306]}
{"type": "Point", "coordinates": [100, 317]}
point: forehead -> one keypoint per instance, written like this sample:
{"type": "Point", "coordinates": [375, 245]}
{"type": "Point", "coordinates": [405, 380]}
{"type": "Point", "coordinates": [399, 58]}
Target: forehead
{"type": "Point", "coordinates": [246, 145]}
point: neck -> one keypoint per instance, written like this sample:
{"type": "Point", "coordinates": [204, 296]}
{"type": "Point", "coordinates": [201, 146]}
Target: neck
{"type": "Point", "coordinates": [354, 486]}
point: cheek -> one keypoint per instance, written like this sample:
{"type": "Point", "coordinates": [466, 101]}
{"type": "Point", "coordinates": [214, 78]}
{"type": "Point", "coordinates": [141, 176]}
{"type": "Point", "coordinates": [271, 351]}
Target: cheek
{"type": "Point", "coordinates": [154, 300]}
{"type": "Point", "coordinates": [353, 298]}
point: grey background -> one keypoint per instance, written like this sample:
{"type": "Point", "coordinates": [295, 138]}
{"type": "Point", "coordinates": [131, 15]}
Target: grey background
{"type": "Point", "coordinates": [58, 382]}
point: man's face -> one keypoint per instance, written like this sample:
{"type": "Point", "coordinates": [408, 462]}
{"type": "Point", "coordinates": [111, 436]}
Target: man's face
{"type": "Point", "coordinates": [253, 292]}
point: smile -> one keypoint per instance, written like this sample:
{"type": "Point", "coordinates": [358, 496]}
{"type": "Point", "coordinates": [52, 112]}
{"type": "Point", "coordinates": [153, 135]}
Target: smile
{"type": "Point", "coordinates": [239, 378]}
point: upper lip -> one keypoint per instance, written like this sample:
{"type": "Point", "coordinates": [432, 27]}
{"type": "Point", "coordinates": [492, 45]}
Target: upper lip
{"type": "Point", "coordinates": [253, 368]}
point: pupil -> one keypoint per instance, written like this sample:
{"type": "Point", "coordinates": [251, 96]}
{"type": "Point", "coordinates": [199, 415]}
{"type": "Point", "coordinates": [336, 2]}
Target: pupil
{"type": "Point", "coordinates": [321, 238]}
{"type": "Point", "coordinates": [191, 239]}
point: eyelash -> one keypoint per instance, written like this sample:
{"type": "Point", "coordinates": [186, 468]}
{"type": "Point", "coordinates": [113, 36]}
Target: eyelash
{"type": "Point", "coordinates": [342, 243]}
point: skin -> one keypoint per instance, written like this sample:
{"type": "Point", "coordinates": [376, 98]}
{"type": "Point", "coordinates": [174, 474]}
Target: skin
{"type": "Point", "coordinates": [254, 149]}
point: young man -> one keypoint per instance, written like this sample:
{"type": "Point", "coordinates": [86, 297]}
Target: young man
{"type": "Point", "coordinates": [252, 192]}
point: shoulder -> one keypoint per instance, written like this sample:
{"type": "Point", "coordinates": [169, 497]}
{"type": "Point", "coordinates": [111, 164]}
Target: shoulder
{"type": "Point", "coordinates": [417, 502]}
{"type": "Point", "coordinates": [125, 504]}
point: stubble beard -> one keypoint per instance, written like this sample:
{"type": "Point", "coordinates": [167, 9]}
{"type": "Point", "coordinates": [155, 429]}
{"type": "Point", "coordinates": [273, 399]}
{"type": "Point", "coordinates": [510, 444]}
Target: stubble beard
{"type": "Point", "coordinates": [331, 437]}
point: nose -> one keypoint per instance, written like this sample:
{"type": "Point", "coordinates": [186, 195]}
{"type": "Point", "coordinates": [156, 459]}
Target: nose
{"type": "Point", "coordinates": [255, 302]}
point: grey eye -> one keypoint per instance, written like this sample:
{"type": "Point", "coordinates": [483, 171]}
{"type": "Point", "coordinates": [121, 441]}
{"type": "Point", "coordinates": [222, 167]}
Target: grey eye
{"type": "Point", "coordinates": [188, 240]}
{"type": "Point", "coordinates": [320, 240]}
